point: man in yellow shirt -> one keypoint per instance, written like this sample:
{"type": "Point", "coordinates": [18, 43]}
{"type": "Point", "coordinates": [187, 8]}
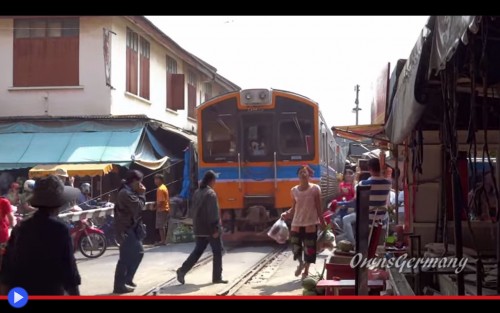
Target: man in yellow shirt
{"type": "Point", "coordinates": [162, 208]}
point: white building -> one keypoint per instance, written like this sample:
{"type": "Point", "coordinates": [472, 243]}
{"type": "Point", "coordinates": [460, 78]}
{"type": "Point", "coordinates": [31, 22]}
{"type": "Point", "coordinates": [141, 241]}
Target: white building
{"type": "Point", "coordinates": [97, 90]}
{"type": "Point", "coordinates": [53, 66]}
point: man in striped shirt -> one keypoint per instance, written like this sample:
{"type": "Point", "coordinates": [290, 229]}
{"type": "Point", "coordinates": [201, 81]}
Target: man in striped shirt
{"type": "Point", "coordinates": [379, 193]}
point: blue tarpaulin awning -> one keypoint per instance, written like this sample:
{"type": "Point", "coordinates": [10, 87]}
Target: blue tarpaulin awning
{"type": "Point", "coordinates": [29, 149]}
{"type": "Point", "coordinates": [29, 146]}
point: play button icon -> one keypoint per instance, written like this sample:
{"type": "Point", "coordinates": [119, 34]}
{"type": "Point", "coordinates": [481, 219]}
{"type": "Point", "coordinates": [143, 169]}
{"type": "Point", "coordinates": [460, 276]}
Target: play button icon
{"type": "Point", "coordinates": [18, 297]}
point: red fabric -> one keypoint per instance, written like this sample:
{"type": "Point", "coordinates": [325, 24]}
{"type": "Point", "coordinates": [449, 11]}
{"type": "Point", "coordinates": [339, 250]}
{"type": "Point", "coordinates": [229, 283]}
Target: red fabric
{"type": "Point", "coordinates": [374, 240]}
{"type": "Point", "coordinates": [5, 210]}
{"type": "Point", "coordinates": [346, 190]}
{"type": "Point", "coordinates": [333, 205]}
{"type": "Point", "coordinates": [328, 216]}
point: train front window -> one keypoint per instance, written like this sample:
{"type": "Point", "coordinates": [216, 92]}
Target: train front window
{"type": "Point", "coordinates": [257, 136]}
{"type": "Point", "coordinates": [220, 139]}
{"type": "Point", "coordinates": [220, 136]}
{"type": "Point", "coordinates": [296, 138]}
{"type": "Point", "coordinates": [296, 130]}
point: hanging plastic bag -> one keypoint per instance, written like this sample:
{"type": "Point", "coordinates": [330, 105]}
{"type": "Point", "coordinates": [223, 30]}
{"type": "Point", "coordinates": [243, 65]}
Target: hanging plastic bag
{"type": "Point", "coordinates": [279, 232]}
{"type": "Point", "coordinates": [326, 240]}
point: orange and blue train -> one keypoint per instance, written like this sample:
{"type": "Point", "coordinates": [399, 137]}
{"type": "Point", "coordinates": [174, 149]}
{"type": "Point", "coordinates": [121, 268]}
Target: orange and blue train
{"type": "Point", "coordinates": [255, 140]}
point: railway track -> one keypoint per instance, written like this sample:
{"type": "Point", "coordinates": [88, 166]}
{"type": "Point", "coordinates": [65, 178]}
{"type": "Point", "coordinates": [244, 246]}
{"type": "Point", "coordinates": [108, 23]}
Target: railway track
{"type": "Point", "coordinates": [234, 285]}
{"type": "Point", "coordinates": [173, 281]}
{"type": "Point", "coordinates": [249, 274]}
{"type": "Point", "coordinates": [153, 291]}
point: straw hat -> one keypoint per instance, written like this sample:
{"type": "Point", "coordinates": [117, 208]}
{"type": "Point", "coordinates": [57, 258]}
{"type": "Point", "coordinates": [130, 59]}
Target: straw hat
{"type": "Point", "coordinates": [61, 172]}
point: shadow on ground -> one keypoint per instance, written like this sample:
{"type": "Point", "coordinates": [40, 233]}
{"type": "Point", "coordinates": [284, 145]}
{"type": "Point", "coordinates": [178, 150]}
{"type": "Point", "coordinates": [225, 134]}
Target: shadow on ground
{"type": "Point", "coordinates": [269, 290]}
{"type": "Point", "coordinates": [179, 289]}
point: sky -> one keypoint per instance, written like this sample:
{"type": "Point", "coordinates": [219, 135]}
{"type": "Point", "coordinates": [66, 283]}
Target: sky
{"type": "Point", "coordinates": [320, 57]}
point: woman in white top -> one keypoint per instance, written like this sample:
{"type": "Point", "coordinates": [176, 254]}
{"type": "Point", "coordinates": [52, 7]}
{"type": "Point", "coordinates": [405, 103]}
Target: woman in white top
{"type": "Point", "coordinates": [307, 214]}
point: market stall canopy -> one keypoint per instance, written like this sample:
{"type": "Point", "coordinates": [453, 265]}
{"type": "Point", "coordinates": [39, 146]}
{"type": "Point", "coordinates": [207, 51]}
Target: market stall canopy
{"type": "Point", "coordinates": [376, 154]}
{"type": "Point", "coordinates": [407, 107]}
{"type": "Point", "coordinates": [72, 169]}
{"type": "Point", "coordinates": [152, 165]}
{"type": "Point", "coordinates": [75, 142]}
{"type": "Point", "coordinates": [360, 133]}
{"type": "Point", "coordinates": [435, 46]}
{"type": "Point", "coordinates": [449, 32]}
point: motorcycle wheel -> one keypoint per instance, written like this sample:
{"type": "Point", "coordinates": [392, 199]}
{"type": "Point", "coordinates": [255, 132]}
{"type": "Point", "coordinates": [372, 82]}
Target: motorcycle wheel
{"type": "Point", "coordinates": [93, 245]}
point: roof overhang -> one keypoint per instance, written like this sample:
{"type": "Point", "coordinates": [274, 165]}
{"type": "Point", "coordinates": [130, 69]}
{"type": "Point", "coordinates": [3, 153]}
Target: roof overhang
{"type": "Point", "coordinates": [361, 133]}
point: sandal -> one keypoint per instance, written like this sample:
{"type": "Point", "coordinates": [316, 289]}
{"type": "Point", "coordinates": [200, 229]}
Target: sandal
{"type": "Point", "coordinates": [299, 269]}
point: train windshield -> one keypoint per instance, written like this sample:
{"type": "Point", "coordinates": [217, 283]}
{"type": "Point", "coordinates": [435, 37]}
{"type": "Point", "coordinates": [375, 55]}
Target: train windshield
{"type": "Point", "coordinates": [295, 130]}
{"type": "Point", "coordinates": [219, 132]}
{"type": "Point", "coordinates": [296, 137]}
{"type": "Point", "coordinates": [258, 136]}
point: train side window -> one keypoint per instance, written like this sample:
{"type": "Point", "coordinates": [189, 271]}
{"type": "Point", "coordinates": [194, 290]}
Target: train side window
{"type": "Point", "coordinates": [219, 131]}
{"type": "Point", "coordinates": [332, 154]}
{"type": "Point", "coordinates": [324, 145]}
{"type": "Point", "coordinates": [219, 138]}
{"type": "Point", "coordinates": [296, 138]}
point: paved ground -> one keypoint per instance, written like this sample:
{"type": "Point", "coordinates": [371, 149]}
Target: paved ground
{"type": "Point", "coordinates": [279, 279]}
{"type": "Point", "coordinates": [158, 266]}
{"type": "Point", "coordinates": [235, 263]}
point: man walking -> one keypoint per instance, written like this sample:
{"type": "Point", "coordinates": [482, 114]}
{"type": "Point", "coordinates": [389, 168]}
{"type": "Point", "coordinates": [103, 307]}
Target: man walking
{"type": "Point", "coordinates": [128, 226]}
{"type": "Point", "coordinates": [162, 208]}
{"type": "Point", "coordinates": [207, 229]}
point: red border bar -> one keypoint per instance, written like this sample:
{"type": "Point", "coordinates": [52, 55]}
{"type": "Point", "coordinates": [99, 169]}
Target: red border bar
{"type": "Point", "coordinates": [166, 297]}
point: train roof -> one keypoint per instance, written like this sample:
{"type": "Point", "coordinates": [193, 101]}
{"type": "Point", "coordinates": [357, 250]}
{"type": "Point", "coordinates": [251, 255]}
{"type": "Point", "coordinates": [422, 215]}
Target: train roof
{"type": "Point", "coordinates": [243, 90]}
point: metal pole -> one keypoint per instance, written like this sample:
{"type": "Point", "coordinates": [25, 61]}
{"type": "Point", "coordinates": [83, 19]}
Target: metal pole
{"type": "Point", "coordinates": [396, 177]}
{"type": "Point", "coordinates": [457, 208]}
{"type": "Point", "coordinates": [498, 228]}
{"type": "Point", "coordinates": [498, 258]}
{"type": "Point", "coordinates": [357, 108]}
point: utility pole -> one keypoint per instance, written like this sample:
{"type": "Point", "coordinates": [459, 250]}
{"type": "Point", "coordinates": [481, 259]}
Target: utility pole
{"type": "Point", "coordinates": [357, 108]}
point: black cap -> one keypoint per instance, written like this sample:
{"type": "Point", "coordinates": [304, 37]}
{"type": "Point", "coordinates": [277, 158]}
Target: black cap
{"type": "Point", "coordinates": [133, 175]}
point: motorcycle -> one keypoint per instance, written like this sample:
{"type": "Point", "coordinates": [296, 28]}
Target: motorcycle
{"type": "Point", "coordinates": [88, 239]}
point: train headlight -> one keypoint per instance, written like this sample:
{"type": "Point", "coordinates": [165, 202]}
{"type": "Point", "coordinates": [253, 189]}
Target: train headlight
{"type": "Point", "coordinates": [255, 97]}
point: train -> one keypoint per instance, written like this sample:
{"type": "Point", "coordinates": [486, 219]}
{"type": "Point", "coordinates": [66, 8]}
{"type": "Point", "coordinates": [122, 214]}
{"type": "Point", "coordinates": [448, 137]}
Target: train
{"type": "Point", "coordinates": [255, 140]}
